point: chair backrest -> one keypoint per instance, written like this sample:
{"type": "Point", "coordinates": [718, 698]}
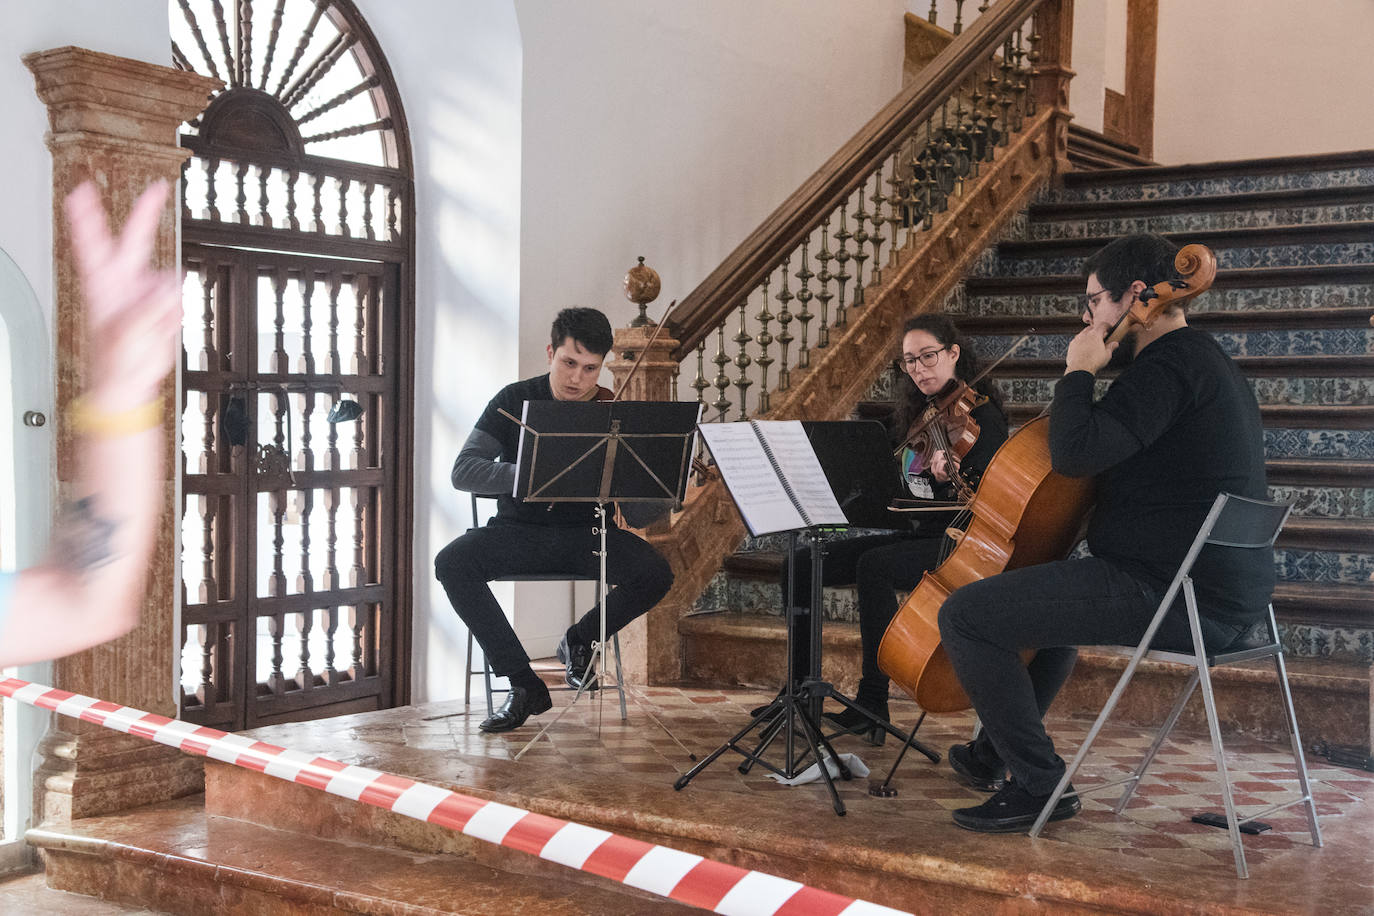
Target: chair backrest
{"type": "Point", "coordinates": [1238, 521]}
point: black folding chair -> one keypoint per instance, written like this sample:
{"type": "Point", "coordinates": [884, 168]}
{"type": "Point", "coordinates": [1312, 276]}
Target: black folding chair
{"type": "Point", "coordinates": [1234, 522]}
{"type": "Point", "coordinates": [485, 670]}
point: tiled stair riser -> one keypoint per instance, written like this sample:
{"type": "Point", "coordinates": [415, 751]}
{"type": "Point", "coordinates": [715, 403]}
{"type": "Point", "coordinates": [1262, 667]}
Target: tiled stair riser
{"type": "Point", "coordinates": [1221, 299]}
{"type": "Point", "coordinates": [1335, 392]}
{"type": "Point", "coordinates": [1184, 188]}
{"type": "Point", "coordinates": [1283, 342]}
{"type": "Point", "coordinates": [1228, 258]}
{"type": "Point", "coordinates": [1217, 220]}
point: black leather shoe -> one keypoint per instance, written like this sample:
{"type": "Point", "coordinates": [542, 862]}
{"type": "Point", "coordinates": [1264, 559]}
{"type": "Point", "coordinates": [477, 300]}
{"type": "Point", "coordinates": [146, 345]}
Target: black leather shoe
{"type": "Point", "coordinates": [1012, 810]}
{"type": "Point", "coordinates": [576, 658]}
{"type": "Point", "coordinates": [521, 703]}
{"type": "Point", "coordinates": [974, 772]}
{"type": "Point", "coordinates": [852, 722]}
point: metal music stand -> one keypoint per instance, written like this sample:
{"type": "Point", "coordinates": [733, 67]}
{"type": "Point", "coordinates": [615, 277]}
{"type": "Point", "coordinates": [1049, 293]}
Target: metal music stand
{"type": "Point", "coordinates": [854, 457]}
{"type": "Point", "coordinates": [602, 452]}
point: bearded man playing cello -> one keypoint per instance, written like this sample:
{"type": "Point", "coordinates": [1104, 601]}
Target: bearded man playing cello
{"type": "Point", "coordinates": [1178, 426]}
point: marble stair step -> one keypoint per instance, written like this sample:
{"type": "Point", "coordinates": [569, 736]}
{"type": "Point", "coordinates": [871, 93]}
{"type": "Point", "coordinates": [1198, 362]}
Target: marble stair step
{"type": "Point", "coordinates": [1274, 210]}
{"type": "Point", "coordinates": [1332, 698]}
{"type": "Point", "coordinates": [1298, 289]}
{"type": "Point", "coordinates": [1235, 249]}
{"type": "Point", "coordinates": [175, 858]}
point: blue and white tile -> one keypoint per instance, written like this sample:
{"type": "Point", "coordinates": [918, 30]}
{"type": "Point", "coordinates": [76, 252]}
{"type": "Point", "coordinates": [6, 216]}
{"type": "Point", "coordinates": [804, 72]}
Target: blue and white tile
{"type": "Point", "coordinates": [1205, 221]}
{"type": "Point", "coordinates": [1357, 444]}
{"type": "Point", "coordinates": [1217, 186]}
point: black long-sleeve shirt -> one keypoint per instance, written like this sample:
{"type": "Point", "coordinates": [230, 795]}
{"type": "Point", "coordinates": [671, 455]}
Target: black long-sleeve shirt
{"type": "Point", "coordinates": [1177, 427]}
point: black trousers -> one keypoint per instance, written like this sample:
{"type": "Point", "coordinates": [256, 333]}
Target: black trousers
{"type": "Point", "coordinates": [636, 575]}
{"type": "Point", "coordinates": [1053, 607]}
{"type": "Point", "coordinates": [880, 565]}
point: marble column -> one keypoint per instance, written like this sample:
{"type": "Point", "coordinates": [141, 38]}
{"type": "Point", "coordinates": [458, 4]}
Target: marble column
{"type": "Point", "coordinates": [113, 121]}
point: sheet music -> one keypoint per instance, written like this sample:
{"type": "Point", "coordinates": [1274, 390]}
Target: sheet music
{"type": "Point", "coordinates": [797, 462]}
{"type": "Point", "coordinates": [754, 485]}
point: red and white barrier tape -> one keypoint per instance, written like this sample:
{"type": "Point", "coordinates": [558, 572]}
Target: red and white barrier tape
{"type": "Point", "coordinates": [660, 870]}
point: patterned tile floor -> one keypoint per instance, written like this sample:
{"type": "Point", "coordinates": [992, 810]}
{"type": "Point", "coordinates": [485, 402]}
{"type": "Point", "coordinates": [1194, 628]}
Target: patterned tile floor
{"type": "Point", "coordinates": [1156, 825]}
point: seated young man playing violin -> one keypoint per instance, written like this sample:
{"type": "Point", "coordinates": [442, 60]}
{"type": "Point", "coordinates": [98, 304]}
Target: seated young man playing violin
{"type": "Point", "coordinates": [1178, 426]}
{"type": "Point", "coordinates": [524, 538]}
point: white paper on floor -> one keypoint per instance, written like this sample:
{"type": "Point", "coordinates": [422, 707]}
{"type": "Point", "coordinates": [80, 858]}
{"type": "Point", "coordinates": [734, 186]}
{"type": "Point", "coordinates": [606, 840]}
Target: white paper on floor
{"type": "Point", "coordinates": [857, 769]}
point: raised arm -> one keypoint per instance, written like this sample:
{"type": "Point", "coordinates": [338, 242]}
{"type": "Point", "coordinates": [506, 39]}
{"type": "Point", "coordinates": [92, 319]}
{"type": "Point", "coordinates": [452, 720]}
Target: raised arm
{"type": "Point", "coordinates": [90, 587]}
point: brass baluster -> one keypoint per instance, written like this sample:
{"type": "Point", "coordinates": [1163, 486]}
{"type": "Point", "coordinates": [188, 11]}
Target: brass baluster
{"type": "Point", "coordinates": [804, 316]}
{"type": "Point", "coordinates": [722, 381]}
{"type": "Point", "coordinates": [930, 16]}
{"type": "Point", "coordinates": [948, 174]}
{"type": "Point", "coordinates": [958, 17]}
{"type": "Point", "coordinates": [764, 339]}
{"type": "Point", "coordinates": [784, 337]}
{"type": "Point", "coordinates": [876, 239]}
{"type": "Point", "coordinates": [824, 276]}
{"type": "Point", "coordinates": [842, 277]}
{"type": "Point", "coordinates": [700, 383]}
{"type": "Point", "coordinates": [860, 239]}
{"type": "Point", "coordinates": [929, 186]}
{"type": "Point", "coordinates": [1007, 90]}
{"type": "Point", "coordinates": [996, 133]}
{"type": "Point", "coordinates": [742, 360]}
{"type": "Point", "coordinates": [896, 203]}
{"type": "Point", "coordinates": [1020, 81]}
{"type": "Point", "coordinates": [1033, 59]}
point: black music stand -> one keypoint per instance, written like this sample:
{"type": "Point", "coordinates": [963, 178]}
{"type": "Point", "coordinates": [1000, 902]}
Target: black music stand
{"type": "Point", "coordinates": [855, 458]}
{"type": "Point", "coordinates": [602, 452]}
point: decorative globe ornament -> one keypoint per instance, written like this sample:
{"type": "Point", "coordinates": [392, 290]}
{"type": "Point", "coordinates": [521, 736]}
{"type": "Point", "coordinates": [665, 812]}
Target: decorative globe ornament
{"type": "Point", "coordinates": [642, 287]}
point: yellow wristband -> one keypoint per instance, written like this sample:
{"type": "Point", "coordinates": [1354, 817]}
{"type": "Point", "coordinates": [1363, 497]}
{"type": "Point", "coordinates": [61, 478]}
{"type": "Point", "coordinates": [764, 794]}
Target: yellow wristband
{"type": "Point", "coordinates": [85, 419]}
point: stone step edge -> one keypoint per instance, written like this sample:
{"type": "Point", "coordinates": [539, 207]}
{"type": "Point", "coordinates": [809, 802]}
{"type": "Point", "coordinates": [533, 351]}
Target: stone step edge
{"type": "Point", "coordinates": [1273, 416]}
{"type": "Point", "coordinates": [319, 890]}
{"type": "Point", "coordinates": [1296, 198]}
{"type": "Point", "coordinates": [1233, 320]}
{"type": "Point", "coordinates": [1262, 165]}
{"type": "Point", "coordinates": [1239, 278]}
{"type": "Point", "coordinates": [1343, 677]}
{"type": "Point", "coordinates": [1320, 366]}
{"type": "Point", "coordinates": [1247, 237]}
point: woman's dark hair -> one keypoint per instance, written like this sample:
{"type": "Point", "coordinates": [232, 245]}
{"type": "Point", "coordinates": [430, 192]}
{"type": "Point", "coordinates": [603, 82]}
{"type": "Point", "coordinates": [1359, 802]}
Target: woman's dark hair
{"type": "Point", "coordinates": [943, 329]}
{"type": "Point", "coordinates": [587, 326]}
{"type": "Point", "coordinates": [1146, 257]}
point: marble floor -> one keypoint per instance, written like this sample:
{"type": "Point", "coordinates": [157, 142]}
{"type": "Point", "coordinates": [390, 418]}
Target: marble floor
{"type": "Point", "coordinates": [1154, 849]}
{"type": "Point", "coordinates": [902, 851]}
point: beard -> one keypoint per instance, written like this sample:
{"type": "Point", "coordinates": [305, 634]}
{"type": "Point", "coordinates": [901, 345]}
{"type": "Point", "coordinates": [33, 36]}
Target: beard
{"type": "Point", "coordinates": [1124, 354]}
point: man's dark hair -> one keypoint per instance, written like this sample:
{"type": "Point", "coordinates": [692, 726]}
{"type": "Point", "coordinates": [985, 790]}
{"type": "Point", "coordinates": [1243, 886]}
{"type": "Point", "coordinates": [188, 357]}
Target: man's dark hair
{"type": "Point", "coordinates": [1149, 258]}
{"type": "Point", "coordinates": [586, 326]}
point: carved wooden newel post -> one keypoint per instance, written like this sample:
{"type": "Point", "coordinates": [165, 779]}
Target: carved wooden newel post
{"type": "Point", "coordinates": [113, 121]}
{"type": "Point", "coordinates": [1051, 74]}
{"type": "Point", "coordinates": [654, 379]}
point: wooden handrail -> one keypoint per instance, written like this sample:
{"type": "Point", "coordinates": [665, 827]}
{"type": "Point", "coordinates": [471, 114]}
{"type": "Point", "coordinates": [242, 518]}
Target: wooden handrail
{"type": "Point", "coordinates": [710, 303]}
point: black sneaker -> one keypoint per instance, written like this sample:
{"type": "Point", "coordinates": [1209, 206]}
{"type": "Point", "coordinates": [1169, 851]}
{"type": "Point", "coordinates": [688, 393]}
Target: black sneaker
{"type": "Point", "coordinates": [972, 771]}
{"type": "Point", "coordinates": [577, 658]}
{"type": "Point", "coordinates": [1013, 810]}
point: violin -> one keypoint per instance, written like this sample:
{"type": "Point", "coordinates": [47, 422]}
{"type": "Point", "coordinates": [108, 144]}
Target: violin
{"type": "Point", "coordinates": [946, 424]}
{"type": "Point", "coordinates": [1023, 514]}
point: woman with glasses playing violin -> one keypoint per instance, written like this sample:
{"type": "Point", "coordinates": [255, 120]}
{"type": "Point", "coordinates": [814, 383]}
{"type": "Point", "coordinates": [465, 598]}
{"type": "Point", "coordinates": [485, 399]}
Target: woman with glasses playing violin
{"type": "Point", "coordinates": [935, 358]}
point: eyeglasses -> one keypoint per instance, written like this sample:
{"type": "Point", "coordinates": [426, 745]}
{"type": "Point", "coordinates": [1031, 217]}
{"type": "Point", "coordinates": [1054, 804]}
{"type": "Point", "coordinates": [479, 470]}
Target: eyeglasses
{"type": "Point", "coordinates": [926, 358]}
{"type": "Point", "coordinates": [1090, 300]}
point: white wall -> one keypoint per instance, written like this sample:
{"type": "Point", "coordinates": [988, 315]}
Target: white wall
{"type": "Point", "coordinates": [1244, 78]}
{"type": "Point", "coordinates": [129, 28]}
{"type": "Point", "coordinates": [457, 65]}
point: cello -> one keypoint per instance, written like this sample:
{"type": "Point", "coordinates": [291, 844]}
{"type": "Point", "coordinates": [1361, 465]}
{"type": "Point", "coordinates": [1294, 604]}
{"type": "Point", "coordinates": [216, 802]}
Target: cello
{"type": "Point", "coordinates": [1023, 514]}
